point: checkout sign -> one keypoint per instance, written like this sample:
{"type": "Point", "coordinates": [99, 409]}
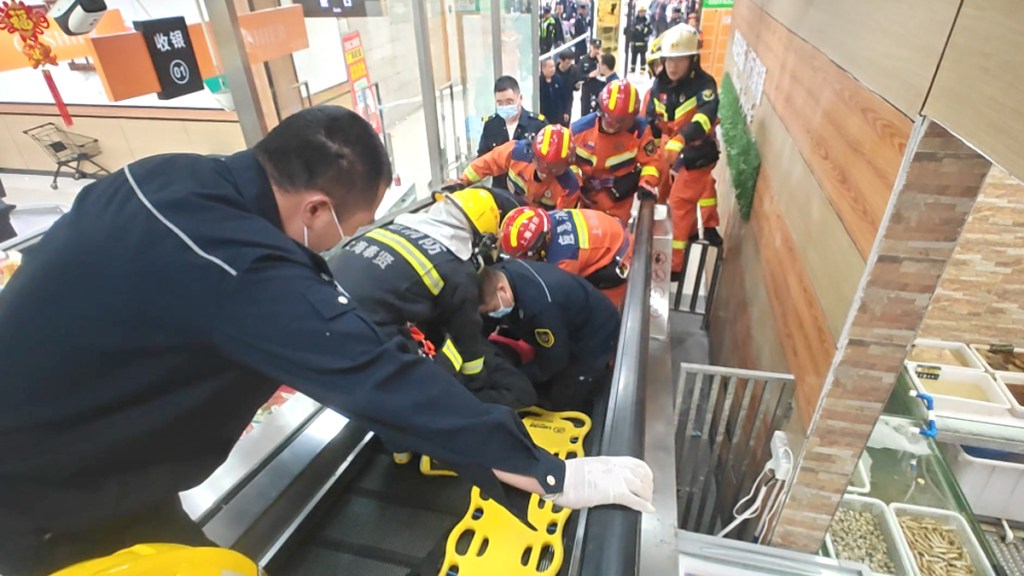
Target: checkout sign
{"type": "Point", "coordinates": [173, 56]}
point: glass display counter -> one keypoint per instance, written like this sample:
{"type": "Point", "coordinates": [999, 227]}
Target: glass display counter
{"type": "Point", "coordinates": [905, 498]}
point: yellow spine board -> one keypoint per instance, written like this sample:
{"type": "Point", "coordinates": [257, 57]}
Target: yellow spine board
{"type": "Point", "coordinates": [489, 540]}
{"type": "Point", "coordinates": [430, 468]}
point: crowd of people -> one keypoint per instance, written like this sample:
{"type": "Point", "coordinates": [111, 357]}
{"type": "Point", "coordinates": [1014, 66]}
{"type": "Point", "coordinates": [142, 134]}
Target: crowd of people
{"type": "Point", "coordinates": [133, 359]}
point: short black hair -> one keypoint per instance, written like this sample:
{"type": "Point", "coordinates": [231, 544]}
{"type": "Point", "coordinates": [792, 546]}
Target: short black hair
{"type": "Point", "coordinates": [608, 60]}
{"type": "Point", "coordinates": [487, 281]}
{"type": "Point", "coordinates": [567, 54]}
{"type": "Point", "coordinates": [506, 83]}
{"type": "Point", "coordinates": [326, 148]}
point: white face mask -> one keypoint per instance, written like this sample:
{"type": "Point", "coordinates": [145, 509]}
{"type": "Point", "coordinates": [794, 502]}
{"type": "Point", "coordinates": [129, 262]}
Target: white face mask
{"type": "Point", "coordinates": [502, 311]}
{"type": "Point", "coordinates": [333, 249]}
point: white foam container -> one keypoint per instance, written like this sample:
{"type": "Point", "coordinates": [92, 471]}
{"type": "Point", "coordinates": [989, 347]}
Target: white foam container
{"type": "Point", "coordinates": [969, 360]}
{"type": "Point", "coordinates": [993, 488]}
{"type": "Point", "coordinates": [946, 518]}
{"type": "Point", "coordinates": [1007, 380]}
{"type": "Point", "coordinates": [895, 546]}
{"type": "Point", "coordinates": [861, 481]}
{"type": "Point", "coordinates": [995, 403]}
{"type": "Point", "coordinates": [977, 348]}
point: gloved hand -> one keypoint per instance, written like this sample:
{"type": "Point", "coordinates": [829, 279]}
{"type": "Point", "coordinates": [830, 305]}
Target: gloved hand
{"type": "Point", "coordinates": [647, 193]}
{"type": "Point", "coordinates": [602, 480]}
{"type": "Point", "coordinates": [453, 185]}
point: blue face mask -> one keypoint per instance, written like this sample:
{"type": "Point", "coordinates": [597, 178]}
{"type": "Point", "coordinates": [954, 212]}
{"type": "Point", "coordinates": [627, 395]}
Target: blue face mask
{"type": "Point", "coordinates": [501, 312]}
{"type": "Point", "coordinates": [508, 112]}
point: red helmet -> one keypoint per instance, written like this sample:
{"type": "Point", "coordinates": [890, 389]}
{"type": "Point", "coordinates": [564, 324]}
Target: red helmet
{"type": "Point", "coordinates": [554, 150]}
{"type": "Point", "coordinates": [524, 231]}
{"type": "Point", "coordinates": [619, 99]}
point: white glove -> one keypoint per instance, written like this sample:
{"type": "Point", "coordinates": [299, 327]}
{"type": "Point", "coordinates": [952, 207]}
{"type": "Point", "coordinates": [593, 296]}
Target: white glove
{"type": "Point", "coordinates": [602, 480]}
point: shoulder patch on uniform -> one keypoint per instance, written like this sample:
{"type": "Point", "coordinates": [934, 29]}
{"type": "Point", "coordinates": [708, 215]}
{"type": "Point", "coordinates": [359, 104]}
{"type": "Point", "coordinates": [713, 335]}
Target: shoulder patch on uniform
{"type": "Point", "coordinates": [650, 148]}
{"type": "Point", "coordinates": [708, 94]}
{"type": "Point", "coordinates": [544, 337]}
{"type": "Point", "coordinates": [541, 117]}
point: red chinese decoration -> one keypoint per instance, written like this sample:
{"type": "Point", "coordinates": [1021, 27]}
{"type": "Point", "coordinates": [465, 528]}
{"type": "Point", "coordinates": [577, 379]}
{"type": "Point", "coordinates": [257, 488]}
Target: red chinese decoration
{"type": "Point", "coordinates": [29, 25]}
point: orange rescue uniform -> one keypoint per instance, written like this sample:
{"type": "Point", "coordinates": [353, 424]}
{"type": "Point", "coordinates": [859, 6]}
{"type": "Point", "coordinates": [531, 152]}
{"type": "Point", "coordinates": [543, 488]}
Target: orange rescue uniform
{"type": "Point", "coordinates": [685, 114]}
{"type": "Point", "coordinates": [515, 160]}
{"type": "Point", "coordinates": [593, 245]}
{"type": "Point", "coordinates": [615, 164]}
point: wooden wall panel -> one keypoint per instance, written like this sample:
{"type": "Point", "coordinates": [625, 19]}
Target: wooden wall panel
{"type": "Point", "coordinates": [802, 328]}
{"type": "Point", "coordinates": [892, 47]}
{"type": "Point", "coordinates": [977, 91]}
{"type": "Point", "coordinates": [743, 333]}
{"type": "Point", "coordinates": [852, 140]}
{"type": "Point", "coordinates": [826, 251]}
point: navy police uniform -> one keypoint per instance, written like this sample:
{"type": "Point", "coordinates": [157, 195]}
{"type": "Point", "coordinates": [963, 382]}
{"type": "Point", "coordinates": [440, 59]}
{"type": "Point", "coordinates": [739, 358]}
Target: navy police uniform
{"type": "Point", "coordinates": [398, 275]}
{"type": "Point", "coordinates": [151, 322]}
{"type": "Point", "coordinates": [495, 134]}
{"type": "Point", "coordinates": [572, 327]}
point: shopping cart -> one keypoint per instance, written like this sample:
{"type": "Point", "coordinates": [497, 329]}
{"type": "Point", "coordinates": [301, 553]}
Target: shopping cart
{"type": "Point", "coordinates": [68, 150]}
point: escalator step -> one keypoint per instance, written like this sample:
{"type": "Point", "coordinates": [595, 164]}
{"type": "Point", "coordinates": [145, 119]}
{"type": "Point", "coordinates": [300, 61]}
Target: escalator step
{"type": "Point", "coordinates": [368, 522]}
{"type": "Point", "coordinates": [320, 562]}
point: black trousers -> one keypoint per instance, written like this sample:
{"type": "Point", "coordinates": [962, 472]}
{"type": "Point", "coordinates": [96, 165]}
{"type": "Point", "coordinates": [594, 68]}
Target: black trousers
{"type": "Point", "coordinates": [42, 552]}
{"type": "Point", "coordinates": [639, 53]}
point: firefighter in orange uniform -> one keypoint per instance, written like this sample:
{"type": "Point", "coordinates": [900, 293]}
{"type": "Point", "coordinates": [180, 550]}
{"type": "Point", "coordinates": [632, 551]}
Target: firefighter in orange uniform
{"type": "Point", "coordinates": [684, 112]}
{"type": "Point", "coordinates": [587, 243]}
{"type": "Point", "coordinates": [616, 152]}
{"type": "Point", "coordinates": [541, 171]}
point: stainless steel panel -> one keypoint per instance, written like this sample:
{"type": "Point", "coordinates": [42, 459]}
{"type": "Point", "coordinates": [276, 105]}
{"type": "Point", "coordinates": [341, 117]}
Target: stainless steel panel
{"type": "Point", "coordinates": [249, 453]}
{"type": "Point", "coordinates": [658, 546]}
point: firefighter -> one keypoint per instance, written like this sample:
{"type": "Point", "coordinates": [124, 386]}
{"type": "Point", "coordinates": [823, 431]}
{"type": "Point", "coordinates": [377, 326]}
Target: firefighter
{"type": "Point", "coordinates": [616, 152]}
{"type": "Point", "coordinates": [174, 322]}
{"type": "Point", "coordinates": [570, 328]}
{"type": "Point", "coordinates": [684, 110]}
{"type": "Point", "coordinates": [639, 35]}
{"type": "Point", "coordinates": [588, 243]}
{"type": "Point", "coordinates": [540, 171]}
{"type": "Point", "coordinates": [421, 270]}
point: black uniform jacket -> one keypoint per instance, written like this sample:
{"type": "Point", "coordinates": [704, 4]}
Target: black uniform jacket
{"type": "Point", "coordinates": [495, 134]}
{"type": "Point", "coordinates": [150, 323]}
{"type": "Point", "coordinates": [572, 326]}
{"type": "Point", "coordinates": [398, 275]}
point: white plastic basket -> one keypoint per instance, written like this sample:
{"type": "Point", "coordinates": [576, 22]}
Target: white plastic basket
{"type": "Point", "coordinates": [993, 488]}
{"type": "Point", "coordinates": [946, 518]}
{"type": "Point", "coordinates": [989, 400]}
{"type": "Point", "coordinates": [978, 348]}
{"type": "Point", "coordinates": [966, 359]}
{"type": "Point", "coordinates": [895, 546]}
{"type": "Point", "coordinates": [1009, 383]}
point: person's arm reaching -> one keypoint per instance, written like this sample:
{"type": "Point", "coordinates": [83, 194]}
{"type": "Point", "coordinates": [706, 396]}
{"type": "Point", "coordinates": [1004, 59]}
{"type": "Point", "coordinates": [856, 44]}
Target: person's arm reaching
{"type": "Point", "coordinates": [493, 163]}
{"type": "Point", "coordinates": [285, 320]}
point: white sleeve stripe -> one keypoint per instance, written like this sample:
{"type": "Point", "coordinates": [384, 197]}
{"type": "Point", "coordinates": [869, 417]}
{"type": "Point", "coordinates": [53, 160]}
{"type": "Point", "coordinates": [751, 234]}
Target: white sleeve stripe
{"type": "Point", "coordinates": [174, 228]}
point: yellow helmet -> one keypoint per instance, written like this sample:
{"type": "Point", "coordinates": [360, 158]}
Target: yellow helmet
{"type": "Point", "coordinates": [679, 40]}
{"type": "Point", "coordinates": [654, 53]}
{"type": "Point", "coordinates": [479, 207]}
{"type": "Point", "coordinates": [166, 560]}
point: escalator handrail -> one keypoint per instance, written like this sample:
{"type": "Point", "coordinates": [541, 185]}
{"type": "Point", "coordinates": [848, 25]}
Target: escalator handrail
{"type": "Point", "coordinates": [611, 539]}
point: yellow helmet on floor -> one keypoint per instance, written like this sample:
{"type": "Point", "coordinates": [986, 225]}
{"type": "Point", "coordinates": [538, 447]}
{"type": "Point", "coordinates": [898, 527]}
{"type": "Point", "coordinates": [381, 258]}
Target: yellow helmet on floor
{"type": "Point", "coordinates": [679, 40]}
{"type": "Point", "coordinates": [166, 560]}
{"type": "Point", "coordinates": [479, 207]}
